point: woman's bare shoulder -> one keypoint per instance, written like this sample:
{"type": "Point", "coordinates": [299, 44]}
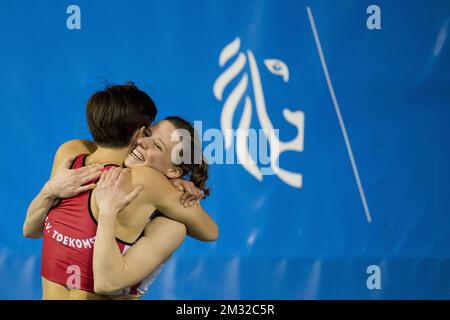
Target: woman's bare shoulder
{"type": "Point", "coordinates": [70, 149]}
{"type": "Point", "coordinates": [147, 176]}
{"type": "Point", "coordinates": [164, 223]}
{"type": "Point", "coordinates": [77, 146]}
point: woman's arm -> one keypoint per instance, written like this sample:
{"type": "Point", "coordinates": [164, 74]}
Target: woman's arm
{"type": "Point", "coordinates": [160, 193]}
{"type": "Point", "coordinates": [36, 213]}
{"type": "Point", "coordinates": [161, 238]}
{"type": "Point", "coordinates": [63, 183]}
{"type": "Point", "coordinates": [113, 272]}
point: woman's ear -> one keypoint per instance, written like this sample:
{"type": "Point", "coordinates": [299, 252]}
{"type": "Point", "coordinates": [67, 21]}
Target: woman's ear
{"type": "Point", "coordinates": [174, 173]}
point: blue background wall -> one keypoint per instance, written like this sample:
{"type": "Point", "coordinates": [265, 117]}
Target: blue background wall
{"type": "Point", "coordinates": [276, 241]}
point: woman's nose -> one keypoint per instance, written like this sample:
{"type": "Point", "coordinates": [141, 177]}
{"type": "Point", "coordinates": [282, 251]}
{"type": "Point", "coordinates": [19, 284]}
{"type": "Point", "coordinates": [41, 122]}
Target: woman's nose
{"type": "Point", "coordinates": [143, 142]}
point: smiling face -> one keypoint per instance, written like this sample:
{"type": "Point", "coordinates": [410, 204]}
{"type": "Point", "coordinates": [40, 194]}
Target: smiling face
{"type": "Point", "coordinates": [154, 150]}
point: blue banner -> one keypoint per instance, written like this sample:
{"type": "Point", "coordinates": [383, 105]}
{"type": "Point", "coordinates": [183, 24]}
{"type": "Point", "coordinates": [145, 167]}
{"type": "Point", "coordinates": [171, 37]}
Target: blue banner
{"type": "Point", "coordinates": [352, 201]}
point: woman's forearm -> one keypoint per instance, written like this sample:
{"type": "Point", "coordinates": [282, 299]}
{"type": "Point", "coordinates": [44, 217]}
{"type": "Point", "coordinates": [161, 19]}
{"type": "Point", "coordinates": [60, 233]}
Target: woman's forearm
{"type": "Point", "coordinates": [64, 183]}
{"type": "Point", "coordinates": [201, 226]}
{"type": "Point", "coordinates": [36, 213]}
{"type": "Point", "coordinates": [108, 262]}
{"type": "Point", "coordinates": [198, 223]}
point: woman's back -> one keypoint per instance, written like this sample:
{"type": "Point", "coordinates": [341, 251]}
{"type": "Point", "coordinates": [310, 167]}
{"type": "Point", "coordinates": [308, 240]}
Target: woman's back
{"type": "Point", "coordinates": [69, 235]}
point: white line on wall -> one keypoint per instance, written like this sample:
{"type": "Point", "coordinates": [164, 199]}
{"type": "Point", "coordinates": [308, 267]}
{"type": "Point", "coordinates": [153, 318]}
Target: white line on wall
{"type": "Point", "coordinates": [338, 112]}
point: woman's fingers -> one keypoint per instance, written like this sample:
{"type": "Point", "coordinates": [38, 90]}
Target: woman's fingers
{"type": "Point", "coordinates": [198, 194]}
{"type": "Point", "coordinates": [186, 199]}
{"type": "Point", "coordinates": [189, 202]}
{"type": "Point", "coordinates": [108, 176]}
{"type": "Point", "coordinates": [191, 195]}
{"type": "Point", "coordinates": [91, 177]}
{"type": "Point", "coordinates": [102, 178]}
{"type": "Point", "coordinates": [177, 184]}
{"type": "Point", "coordinates": [187, 194]}
{"type": "Point", "coordinates": [84, 171]}
{"type": "Point", "coordinates": [133, 194]}
{"type": "Point", "coordinates": [115, 174]}
{"type": "Point", "coordinates": [122, 176]}
{"type": "Point", "coordinates": [89, 167]}
{"type": "Point", "coordinates": [68, 162]}
{"type": "Point", "coordinates": [85, 188]}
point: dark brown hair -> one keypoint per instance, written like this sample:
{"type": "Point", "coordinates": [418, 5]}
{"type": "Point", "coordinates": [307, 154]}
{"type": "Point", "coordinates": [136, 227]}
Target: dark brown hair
{"type": "Point", "coordinates": [115, 113]}
{"type": "Point", "coordinates": [197, 172]}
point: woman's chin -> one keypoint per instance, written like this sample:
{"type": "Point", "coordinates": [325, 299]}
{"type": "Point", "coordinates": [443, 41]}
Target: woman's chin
{"type": "Point", "coordinates": [129, 163]}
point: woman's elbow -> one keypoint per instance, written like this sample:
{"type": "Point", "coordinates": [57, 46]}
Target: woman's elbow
{"type": "Point", "coordinates": [30, 233]}
{"type": "Point", "coordinates": [25, 232]}
{"type": "Point", "coordinates": [214, 233]}
{"type": "Point", "coordinates": [105, 287]}
{"type": "Point", "coordinates": [100, 289]}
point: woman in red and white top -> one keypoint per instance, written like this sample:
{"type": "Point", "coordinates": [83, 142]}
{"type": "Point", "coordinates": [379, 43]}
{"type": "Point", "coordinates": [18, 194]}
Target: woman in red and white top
{"type": "Point", "coordinates": [137, 247]}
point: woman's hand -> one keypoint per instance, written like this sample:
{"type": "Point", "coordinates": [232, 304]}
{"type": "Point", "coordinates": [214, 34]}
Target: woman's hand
{"type": "Point", "coordinates": [110, 194]}
{"type": "Point", "coordinates": [67, 183]}
{"type": "Point", "coordinates": [191, 194]}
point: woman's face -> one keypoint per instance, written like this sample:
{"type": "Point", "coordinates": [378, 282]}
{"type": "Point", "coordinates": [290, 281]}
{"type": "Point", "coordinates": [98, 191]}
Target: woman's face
{"type": "Point", "coordinates": [154, 150]}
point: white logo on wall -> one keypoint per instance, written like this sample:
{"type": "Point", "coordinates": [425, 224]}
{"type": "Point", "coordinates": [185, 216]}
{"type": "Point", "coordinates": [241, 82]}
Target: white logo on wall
{"type": "Point", "coordinates": [73, 21]}
{"type": "Point", "coordinates": [250, 79]}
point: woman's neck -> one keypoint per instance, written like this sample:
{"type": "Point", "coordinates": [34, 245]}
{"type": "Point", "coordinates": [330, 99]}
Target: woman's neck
{"type": "Point", "coordinates": [108, 155]}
